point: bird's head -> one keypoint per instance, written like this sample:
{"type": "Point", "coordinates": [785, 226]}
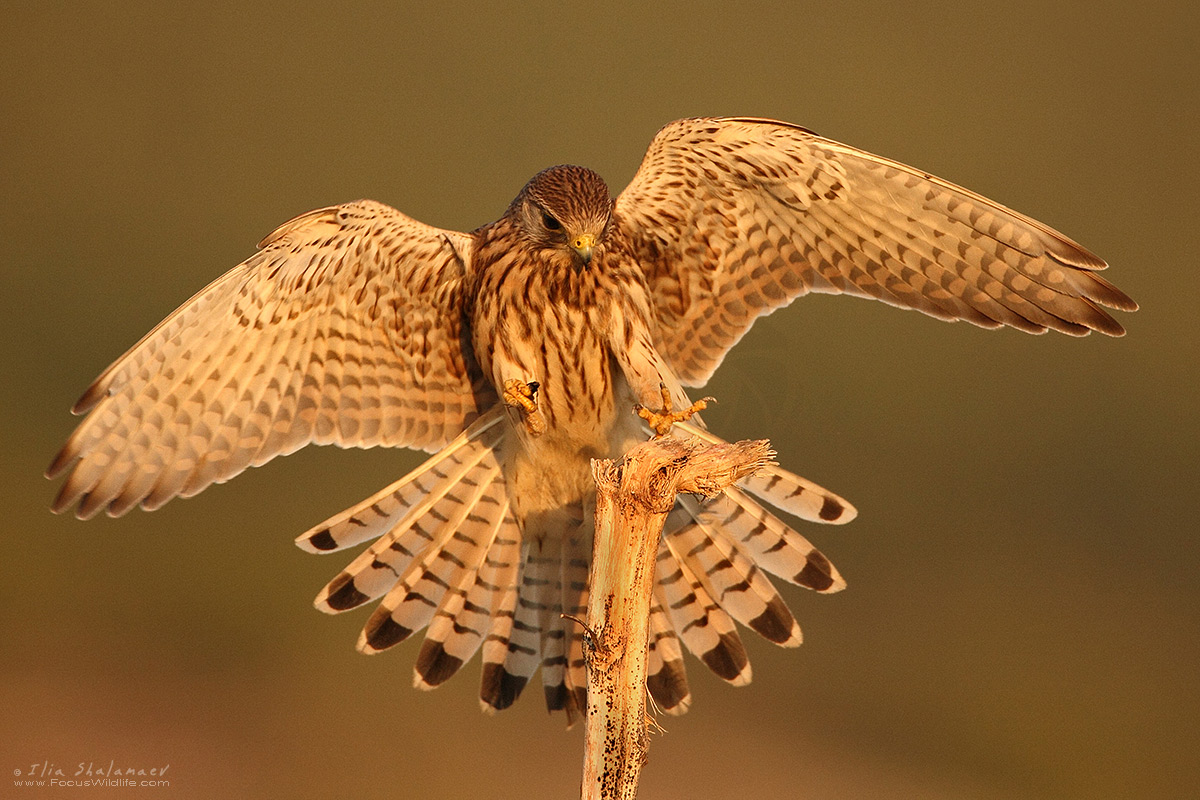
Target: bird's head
{"type": "Point", "coordinates": [565, 209]}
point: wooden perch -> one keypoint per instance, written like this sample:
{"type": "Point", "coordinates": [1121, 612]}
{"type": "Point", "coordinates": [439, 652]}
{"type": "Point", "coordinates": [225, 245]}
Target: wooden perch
{"type": "Point", "coordinates": [633, 498]}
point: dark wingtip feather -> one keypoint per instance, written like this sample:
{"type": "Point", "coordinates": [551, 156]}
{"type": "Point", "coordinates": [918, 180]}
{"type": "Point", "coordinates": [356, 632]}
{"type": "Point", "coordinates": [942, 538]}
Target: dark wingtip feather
{"type": "Point", "coordinates": [728, 658]}
{"type": "Point", "coordinates": [1086, 317]}
{"type": "Point", "coordinates": [91, 396]}
{"type": "Point", "coordinates": [63, 499]}
{"type": "Point", "coordinates": [74, 489]}
{"type": "Point", "coordinates": [321, 541]}
{"type": "Point", "coordinates": [1070, 252]}
{"type": "Point", "coordinates": [499, 688]}
{"type": "Point", "coordinates": [91, 504]}
{"type": "Point", "coordinates": [435, 665]}
{"type": "Point", "coordinates": [669, 687]}
{"type": "Point", "coordinates": [776, 623]}
{"type": "Point", "coordinates": [62, 459]}
{"type": "Point", "coordinates": [1106, 294]}
{"type": "Point", "coordinates": [383, 632]}
{"type": "Point", "coordinates": [818, 574]}
{"type": "Point", "coordinates": [343, 595]}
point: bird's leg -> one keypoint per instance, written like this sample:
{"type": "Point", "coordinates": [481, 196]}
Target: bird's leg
{"type": "Point", "coordinates": [662, 420]}
{"type": "Point", "coordinates": [644, 368]}
{"type": "Point", "coordinates": [522, 395]}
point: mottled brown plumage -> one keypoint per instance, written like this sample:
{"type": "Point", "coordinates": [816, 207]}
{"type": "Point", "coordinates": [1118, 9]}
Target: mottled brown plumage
{"type": "Point", "coordinates": [517, 352]}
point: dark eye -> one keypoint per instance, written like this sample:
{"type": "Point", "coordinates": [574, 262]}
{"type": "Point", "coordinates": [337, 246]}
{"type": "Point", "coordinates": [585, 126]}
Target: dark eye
{"type": "Point", "coordinates": [550, 222]}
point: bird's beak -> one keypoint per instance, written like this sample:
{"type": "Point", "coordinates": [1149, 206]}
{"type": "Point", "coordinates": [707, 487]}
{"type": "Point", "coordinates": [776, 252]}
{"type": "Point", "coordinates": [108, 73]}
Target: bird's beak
{"type": "Point", "coordinates": [583, 245]}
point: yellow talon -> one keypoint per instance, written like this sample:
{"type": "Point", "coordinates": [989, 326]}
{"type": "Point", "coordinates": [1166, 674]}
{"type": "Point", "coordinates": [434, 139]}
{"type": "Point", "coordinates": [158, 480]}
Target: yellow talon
{"type": "Point", "coordinates": [661, 421]}
{"type": "Point", "coordinates": [523, 395]}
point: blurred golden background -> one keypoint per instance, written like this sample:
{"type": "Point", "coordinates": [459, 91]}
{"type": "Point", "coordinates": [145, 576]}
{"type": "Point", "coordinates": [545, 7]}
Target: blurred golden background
{"type": "Point", "coordinates": [1022, 616]}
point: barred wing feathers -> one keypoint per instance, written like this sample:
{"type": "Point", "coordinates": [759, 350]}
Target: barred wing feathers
{"type": "Point", "coordinates": [344, 328]}
{"type": "Point", "coordinates": [732, 218]}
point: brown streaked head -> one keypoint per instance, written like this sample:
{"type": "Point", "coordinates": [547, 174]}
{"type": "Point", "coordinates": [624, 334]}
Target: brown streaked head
{"type": "Point", "coordinates": [565, 208]}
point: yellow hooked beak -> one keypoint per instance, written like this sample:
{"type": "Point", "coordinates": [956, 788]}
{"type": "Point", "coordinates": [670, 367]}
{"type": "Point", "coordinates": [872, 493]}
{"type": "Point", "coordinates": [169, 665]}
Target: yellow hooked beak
{"type": "Point", "coordinates": [583, 245]}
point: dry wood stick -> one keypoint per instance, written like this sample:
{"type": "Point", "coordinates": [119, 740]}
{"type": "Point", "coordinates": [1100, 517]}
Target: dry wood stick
{"type": "Point", "coordinates": [633, 498]}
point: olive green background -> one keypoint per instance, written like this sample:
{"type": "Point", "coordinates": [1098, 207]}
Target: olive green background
{"type": "Point", "coordinates": [1021, 620]}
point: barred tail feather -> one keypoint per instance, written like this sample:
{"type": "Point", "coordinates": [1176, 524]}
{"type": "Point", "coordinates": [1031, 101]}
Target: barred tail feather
{"type": "Point", "coordinates": [703, 626]}
{"type": "Point", "coordinates": [542, 590]}
{"type": "Point", "coordinates": [573, 580]}
{"type": "Point", "coordinates": [497, 688]}
{"type": "Point", "coordinates": [461, 621]}
{"type": "Point", "coordinates": [452, 554]}
{"type": "Point", "coordinates": [511, 654]}
{"type": "Point", "coordinates": [773, 545]}
{"type": "Point", "coordinates": [666, 676]}
{"type": "Point", "coordinates": [381, 512]}
{"type": "Point", "coordinates": [732, 578]}
{"type": "Point", "coordinates": [787, 491]}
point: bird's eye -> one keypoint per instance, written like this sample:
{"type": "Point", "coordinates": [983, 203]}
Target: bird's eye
{"type": "Point", "coordinates": [550, 222]}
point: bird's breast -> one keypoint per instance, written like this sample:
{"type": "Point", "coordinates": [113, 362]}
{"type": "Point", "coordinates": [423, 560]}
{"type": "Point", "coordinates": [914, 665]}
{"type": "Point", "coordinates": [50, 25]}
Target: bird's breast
{"type": "Point", "coordinates": [582, 395]}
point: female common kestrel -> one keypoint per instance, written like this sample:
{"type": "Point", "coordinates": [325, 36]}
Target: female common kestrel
{"type": "Point", "coordinates": [516, 352]}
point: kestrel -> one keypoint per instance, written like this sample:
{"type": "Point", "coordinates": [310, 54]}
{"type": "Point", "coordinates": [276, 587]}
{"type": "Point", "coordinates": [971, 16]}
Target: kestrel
{"type": "Point", "coordinates": [515, 353]}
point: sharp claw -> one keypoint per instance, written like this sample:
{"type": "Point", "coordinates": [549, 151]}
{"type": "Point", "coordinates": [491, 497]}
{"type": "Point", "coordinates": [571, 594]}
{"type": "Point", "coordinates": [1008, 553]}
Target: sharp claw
{"type": "Point", "coordinates": [522, 395]}
{"type": "Point", "coordinates": [661, 421]}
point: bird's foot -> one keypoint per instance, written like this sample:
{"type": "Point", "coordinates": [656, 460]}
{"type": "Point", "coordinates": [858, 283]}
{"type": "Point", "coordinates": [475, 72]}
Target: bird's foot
{"type": "Point", "coordinates": [662, 420]}
{"type": "Point", "coordinates": [522, 395]}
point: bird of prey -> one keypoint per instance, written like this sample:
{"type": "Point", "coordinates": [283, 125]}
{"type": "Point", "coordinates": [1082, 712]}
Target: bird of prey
{"type": "Point", "coordinates": [516, 353]}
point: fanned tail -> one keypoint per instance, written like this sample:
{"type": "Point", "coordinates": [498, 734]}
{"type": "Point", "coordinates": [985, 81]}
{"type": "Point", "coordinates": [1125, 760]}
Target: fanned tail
{"type": "Point", "coordinates": [449, 555]}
